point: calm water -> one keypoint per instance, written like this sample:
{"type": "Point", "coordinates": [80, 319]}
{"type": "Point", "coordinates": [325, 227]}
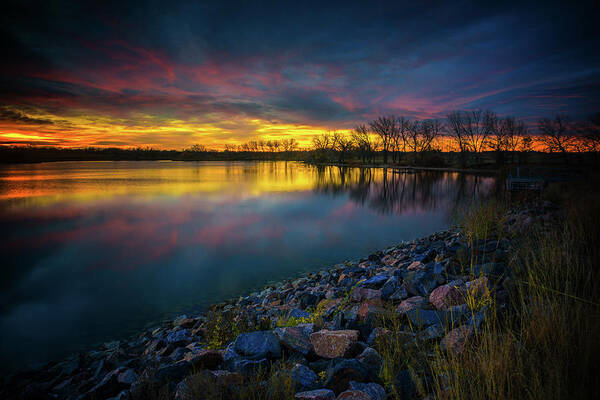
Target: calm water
{"type": "Point", "coordinates": [94, 251]}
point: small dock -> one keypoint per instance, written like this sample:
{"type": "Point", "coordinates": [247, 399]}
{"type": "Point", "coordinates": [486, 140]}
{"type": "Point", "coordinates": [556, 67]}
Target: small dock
{"type": "Point", "coordinates": [520, 179]}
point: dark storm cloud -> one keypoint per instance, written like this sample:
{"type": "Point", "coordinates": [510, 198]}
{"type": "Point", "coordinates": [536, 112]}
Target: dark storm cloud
{"type": "Point", "coordinates": [319, 63]}
{"type": "Point", "coordinates": [17, 116]}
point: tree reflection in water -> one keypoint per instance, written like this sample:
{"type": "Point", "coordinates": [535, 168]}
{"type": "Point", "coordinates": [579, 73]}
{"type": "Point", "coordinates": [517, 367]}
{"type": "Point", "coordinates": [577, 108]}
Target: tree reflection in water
{"type": "Point", "coordinates": [391, 191]}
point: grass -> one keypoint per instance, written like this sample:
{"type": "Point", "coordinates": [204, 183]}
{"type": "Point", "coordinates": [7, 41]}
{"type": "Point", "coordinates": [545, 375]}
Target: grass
{"type": "Point", "coordinates": [544, 343]}
{"type": "Point", "coordinates": [222, 327]}
{"type": "Point", "coordinates": [273, 384]}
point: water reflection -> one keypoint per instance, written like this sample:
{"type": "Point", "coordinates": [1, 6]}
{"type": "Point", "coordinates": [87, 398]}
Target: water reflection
{"type": "Point", "coordinates": [95, 251]}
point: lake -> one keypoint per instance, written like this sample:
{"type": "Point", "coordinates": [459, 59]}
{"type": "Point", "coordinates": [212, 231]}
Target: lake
{"type": "Point", "coordinates": [96, 251]}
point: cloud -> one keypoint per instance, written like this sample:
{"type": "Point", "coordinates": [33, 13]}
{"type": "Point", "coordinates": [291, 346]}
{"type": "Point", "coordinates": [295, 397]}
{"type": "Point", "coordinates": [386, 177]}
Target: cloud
{"type": "Point", "coordinates": [203, 67]}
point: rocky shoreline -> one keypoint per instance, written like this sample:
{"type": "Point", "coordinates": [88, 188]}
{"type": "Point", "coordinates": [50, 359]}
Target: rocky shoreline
{"type": "Point", "coordinates": [326, 326]}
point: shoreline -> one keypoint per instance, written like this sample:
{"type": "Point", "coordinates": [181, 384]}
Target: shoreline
{"type": "Point", "coordinates": [307, 319]}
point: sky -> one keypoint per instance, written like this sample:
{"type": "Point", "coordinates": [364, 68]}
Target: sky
{"type": "Point", "coordinates": [169, 74]}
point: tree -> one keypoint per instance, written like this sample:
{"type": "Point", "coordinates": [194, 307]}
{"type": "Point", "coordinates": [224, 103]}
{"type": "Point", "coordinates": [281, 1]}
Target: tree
{"type": "Point", "coordinates": [362, 139]}
{"type": "Point", "coordinates": [591, 133]}
{"type": "Point", "coordinates": [470, 129]}
{"type": "Point", "coordinates": [385, 128]}
{"type": "Point", "coordinates": [431, 130]}
{"type": "Point", "coordinates": [289, 144]}
{"type": "Point", "coordinates": [198, 148]}
{"type": "Point", "coordinates": [457, 133]}
{"type": "Point", "coordinates": [557, 135]}
{"type": "Point", "coordinates": [342, 144]}
{"type": "Point", "coordinates": [229, 148]}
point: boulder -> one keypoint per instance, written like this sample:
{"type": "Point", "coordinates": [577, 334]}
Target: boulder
{"type": "Point", "coordinates": [365, 294]}
{"type": "Point", "coordinates": [448, 295]}
{"type": "Point", "coordinates": [342, 371]}
{"type": "Point", "coordinates": [179, 337]}
{"type": "Point", "coordinates": [173, 372]}
{"type": "Point", "coordinates": [257, 345]}
{"type": "Point", "coordinates": [296, 338]}
{"type": "Point", "coordinates": [422, 318]}
{"type": "Point", "coordinates": [456, 339]}
{"type": "Point", "coordinates": [332, 344]}
{"type": "Point", "coordinates": [389, 287]}
{"type": "Point", "coordinates": [304, 378]}
{"type": "Point", "coordinates": [373, 390]}
{"type": "Point", "coordinates": [375, 282]}
{"type": "Point", "coordinates": [319, 394]}
{"type": "Point", "coordinates": [205, 359]}
{"type": "Point", "coordinates": [353, 395]}
{"type": "Point", "coordinates": [411, 303]}
{"type": "Point", "coordinates": [371, 358]}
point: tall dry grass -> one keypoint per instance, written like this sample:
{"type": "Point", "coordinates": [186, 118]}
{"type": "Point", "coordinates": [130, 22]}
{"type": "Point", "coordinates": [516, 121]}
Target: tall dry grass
{"type": "Point", "coordinates": [543, 341]}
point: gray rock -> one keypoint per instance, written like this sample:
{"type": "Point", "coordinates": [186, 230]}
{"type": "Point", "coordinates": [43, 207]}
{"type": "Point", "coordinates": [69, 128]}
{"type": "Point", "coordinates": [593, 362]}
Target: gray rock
{"type": "Point", "coordinates": [296, 338]}
{"type": "Point", "coordinates": [178, 337]}
{"type": "Point", "coordinates": [304, 378]}
{"type": "Point", "coordinates": [173, 372]}
{"type": "Point", "coordinates": [389, 287]}
{"type": "Point", "coordinates": [319, 394]}
{"type": "Point", "coordinates": [258, 345]}
{"type": "Point", "coordinates": [371, 358]}
{"type": "Point", "coordinates": [375, 282]}
{"type": "Point", "coordinates": [423, 318]}
{"type": "Point", "coordinates": [342, 371]}
{"type": "Point", "coordinates": [375, 391]}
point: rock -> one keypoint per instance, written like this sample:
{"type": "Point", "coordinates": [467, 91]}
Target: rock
{"type": "Point", "coordinates": [113, 383]}
{"type": "Point", "coordinates": [456, 339]}
{"type": "Point", "coordinates": [342, 371]}
{"type": "Point", "coordinates": [205, 359]}
{"type": "Point", "coordinates": [422, 318]}
{"type": "Point", "coordinates": [304, 378]}
{"type": "Point", "coordinates": [376, 334]}
{"type": "Point", "coordinates": [416, 265]}
{"type": "Point", "coordinates": [296, 338]}
{"type": "Point", "coordinates": [448, 295]}
{"type": "Point", "coordinates": [432, 332]}
{"type": "Point", "coordinates": [389, 287]}
{"type": "Point", "coordinates": [365, 294]}
{"type": "Point", "coordinates": [248, 367]}
{"type": "Point", "coordinates": [399, 294]}
{"type": "Point", "coordinates": [374, 282]}
{"type": "Point", "coordinates": [411, 303]}
{"type": "Point", "coordinates": [319, 394]}
{"type": "Point", "coordinates": [371, 358]}
{"type": "Point", "coordinates": [354, 395]}
{"type": "Point", "coordinates": [297, 313]}
{"type": "Point", "coordinates": [373, 390]}
{"type": "Point", "coordinates": [308, 299]}
{"type": "Point", "coordinates": [127, 377]}
{"type": "Point", "coordinates": [419, 283]}
{"type": "Point", "coordinates": [179, 337]}
{"type": "Point", "coordinates": [369, 313]}
{"type": "Point", "coordinates": [332, 344]}
{"type": "Point", "coordinates": [258, 345]}
{"type": "Point", "coordinates": [173, 372]}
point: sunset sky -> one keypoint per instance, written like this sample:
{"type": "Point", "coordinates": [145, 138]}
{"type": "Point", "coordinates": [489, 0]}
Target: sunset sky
{"type": "Point", "coordinates": [169, 74]}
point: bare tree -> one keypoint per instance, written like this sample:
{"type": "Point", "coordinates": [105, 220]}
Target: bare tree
{"type": "Point", "coordinates": [230, 148]}
{"type": "Point", "coordinates": [557, 135]}
{"type": "Point", "coordinates": [342, 144]}
{"type": "Point", "coordinates": [456, 130]}
{"type": "Point", "coordinates": [402, 134]}
{"type": "Point", "coordinates": [198, 148]}
{"type": "Point", "coordinates": [385, 128]}
{"type": "Point", "coordinates": [590, 132]}
{"type": "Point", "coordinates": [431, 129]}
{"type": "Point", "coordinates": [363, 141]}
{"type": "Point", "coordinates": [289, 144]}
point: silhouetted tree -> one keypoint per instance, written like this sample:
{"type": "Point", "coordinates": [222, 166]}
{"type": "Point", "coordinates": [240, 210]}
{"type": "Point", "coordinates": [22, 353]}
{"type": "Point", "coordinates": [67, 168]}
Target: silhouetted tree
{"type": "Point", "coordinates": [385, 128]}
{"type": "Point", "coordinates": [557, 135]}
{"type": "Point", "coordinates": [342, 144]}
